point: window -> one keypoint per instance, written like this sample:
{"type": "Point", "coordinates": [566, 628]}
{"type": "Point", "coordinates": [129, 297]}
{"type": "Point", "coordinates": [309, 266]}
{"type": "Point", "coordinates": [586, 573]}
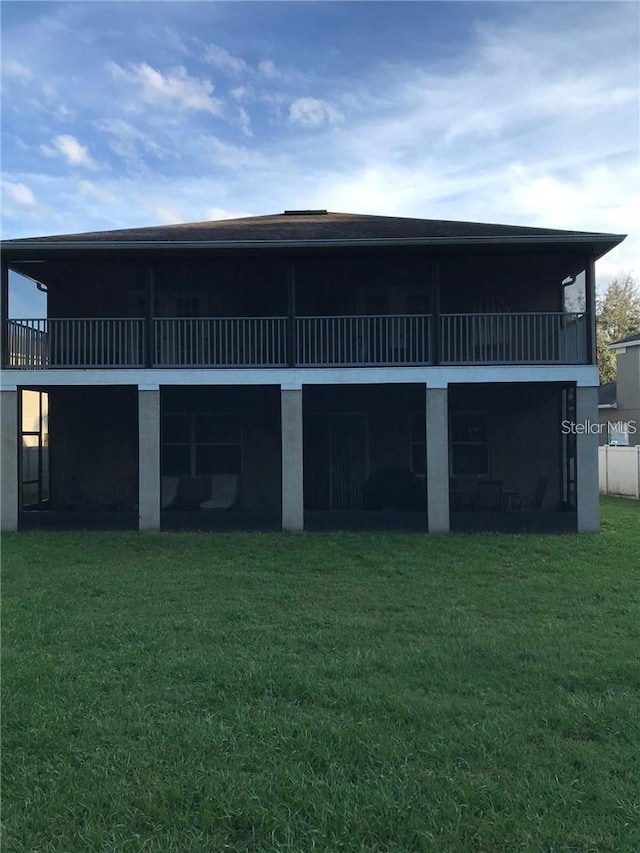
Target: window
{"type": "Point", "coordinates": [469, 443]}
{"type": "Point", "coordinates": [201, 444]}
{"type": "Point", "coordinates": [618, 433]}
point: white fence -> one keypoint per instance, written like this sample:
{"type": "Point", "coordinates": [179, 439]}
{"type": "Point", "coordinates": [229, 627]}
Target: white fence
{"type": "Point", "coordinates": [619, 471]}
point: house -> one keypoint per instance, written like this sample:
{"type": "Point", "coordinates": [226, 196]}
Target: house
{"type": "Point", "coordinates": [619, 401]}
{"type": "Point", "coordinates": [304, 370]}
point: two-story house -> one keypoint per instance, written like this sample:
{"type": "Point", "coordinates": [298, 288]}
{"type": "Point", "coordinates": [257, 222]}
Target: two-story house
{"type": "Point", "coordinates": [619, 406]}
{"type": "Point", "coordinates": [305, 370]}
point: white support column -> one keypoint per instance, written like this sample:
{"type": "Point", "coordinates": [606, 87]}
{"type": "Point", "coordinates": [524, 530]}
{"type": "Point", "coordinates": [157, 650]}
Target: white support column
{"type": "Point", "coordinates": [9, 461]}
{"type": "Point", "coordinates": [149, 459]}
{"type": "Point", "coordinates": [588, 497]}
{"type": "Point", "coordinates": [292, 475]}
{"type": "Point", "coordinates": [437, 460]}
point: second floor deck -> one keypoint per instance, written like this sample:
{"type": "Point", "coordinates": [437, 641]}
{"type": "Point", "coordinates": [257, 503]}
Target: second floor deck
{"type": "Point", "coordinates": [307, 341]}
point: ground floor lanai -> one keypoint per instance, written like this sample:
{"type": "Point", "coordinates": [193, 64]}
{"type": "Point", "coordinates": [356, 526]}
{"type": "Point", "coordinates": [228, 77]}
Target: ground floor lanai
{"type": "Point", "coordinates": [306, 452]}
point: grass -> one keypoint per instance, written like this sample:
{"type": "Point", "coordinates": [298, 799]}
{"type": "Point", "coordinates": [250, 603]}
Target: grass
{"type": "Point", "coordinates": [323, 692]}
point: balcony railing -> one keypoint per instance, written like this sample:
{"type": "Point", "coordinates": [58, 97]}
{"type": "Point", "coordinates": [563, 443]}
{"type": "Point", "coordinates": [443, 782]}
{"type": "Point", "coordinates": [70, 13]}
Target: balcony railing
{"type": "Point", "coordinates": [27, 343]}
{"type": "Point", "coordinates": [538, 338]}
{"type": "Point", "coordinates": [76, 343]}
{"type": "Point", "coordinates": [541, 338]}
{"type": "Point", "coordinates": [365, 340]}
{"type": "Point", "coordinates": [221, 342]}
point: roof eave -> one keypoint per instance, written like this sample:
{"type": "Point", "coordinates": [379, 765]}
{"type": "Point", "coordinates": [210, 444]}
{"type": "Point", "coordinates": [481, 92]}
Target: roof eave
{"type": "Point", "coordinates": [624, 345]}
{"type": "Point", "coordinates": [600, 243]}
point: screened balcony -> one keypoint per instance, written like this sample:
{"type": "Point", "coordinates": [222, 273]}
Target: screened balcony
{"type": "Point", "coordinates": [341, 341]}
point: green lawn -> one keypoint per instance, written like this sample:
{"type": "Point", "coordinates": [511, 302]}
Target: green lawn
{"type": "Point", "coordinates": [329, 692]}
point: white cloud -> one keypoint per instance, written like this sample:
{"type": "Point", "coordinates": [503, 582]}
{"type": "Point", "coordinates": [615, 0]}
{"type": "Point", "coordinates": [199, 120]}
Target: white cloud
{"type": "Point", "coordinates": [268, 68]}
{"type": "Point", "coordinates": [167, 215]}
{"type": "Point", "coordinates": [114, 201]}
{"type": "Point", "coordinates": [14, 70]}
{"type": "Point", "coordinates": [245, 121]}
{"type": "Point", "coordinates": [215, 213]}
{"type": "Point", "coordinates": [96, 192]}
{"type": "Point", "coordinates": [21, 206]}
{"type": "Point", "coordinates": [129, 143]}
{"type": "Point", "coordinates": [68, 148]}
{"type": "Point", "coordinates": [19, 193]}
{"type": "Point", "coordinates": [220, 58]}
{"type": "Point", "coordinates": [176, 88]}
{"type": "Point", "coordinates": [48, 100]}
{"type": "Point", "coordinates": [226, 155]}
{"type": "Point", "coordinates": [593, 200]}
{"type": "Point", "coordinates": [514, 93]}
{"type": "Point", "coordinates": [517, 132]}
{"type": "Point", "coordinates": [503, 123]}
{"type": "Point", "coordinates": [313, 112]}
{"type": "Point", "coordinates": [53, 103]}
{"type": "Point", "coordinates": [172, 39]}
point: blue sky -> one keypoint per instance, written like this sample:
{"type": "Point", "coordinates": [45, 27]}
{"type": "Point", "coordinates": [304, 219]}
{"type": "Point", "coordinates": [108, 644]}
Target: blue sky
{"type": "Point", "coordinates": [140, 113]}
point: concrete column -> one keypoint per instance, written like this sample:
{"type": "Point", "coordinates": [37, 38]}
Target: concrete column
{"type": "Point", "coordinates": [588, 497]}
{"type": "Point", "coordinates": [149, 459]}
{"type": "Point", "coordinates": [9, 461]}
{"type": "Point", "coordinates": [292, 482]}
{"type": "Point", "coordinates": [437, 460]}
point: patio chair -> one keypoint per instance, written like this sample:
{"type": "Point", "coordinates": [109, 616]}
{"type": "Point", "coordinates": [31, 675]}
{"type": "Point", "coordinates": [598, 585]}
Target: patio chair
{"type": "Point", "coordinates": [534, 502]}
{"type": "Point", "coordinates": [224, 492]}
{"type": "Point", "coordinates": [463, 491]}
{"type": "Point", "coordinates": [393, 488]}
{"type": "Point", "coordinates": [489, 495]}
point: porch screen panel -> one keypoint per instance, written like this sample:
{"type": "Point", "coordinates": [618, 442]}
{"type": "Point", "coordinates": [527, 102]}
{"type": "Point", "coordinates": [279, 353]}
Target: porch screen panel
{"type": "Point", "coordinates": [348, 460]}
{"type": "Point", "coordinates": [569, 448]}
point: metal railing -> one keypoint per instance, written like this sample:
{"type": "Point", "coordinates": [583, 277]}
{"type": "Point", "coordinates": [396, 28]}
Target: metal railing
{"type": "Point", "coordinates": [534, 338]}
{"type": "Point", "coordinates": [27, 344]}
{"type": "Point", "coordinates": [220, 342]}
{"type": "Point", "coordinates": [363, 340]}
{"type": "Point", "coordinates": [75, 342]}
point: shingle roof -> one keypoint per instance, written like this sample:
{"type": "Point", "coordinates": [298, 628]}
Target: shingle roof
{"type": "Point", "coordinates": [315, 226]}
{"type": "Point", "coordinates": [630, 339]}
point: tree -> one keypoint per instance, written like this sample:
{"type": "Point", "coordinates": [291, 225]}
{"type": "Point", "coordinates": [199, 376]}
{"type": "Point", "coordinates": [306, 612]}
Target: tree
{"type": "Point", "coordinates": [617, 316]}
